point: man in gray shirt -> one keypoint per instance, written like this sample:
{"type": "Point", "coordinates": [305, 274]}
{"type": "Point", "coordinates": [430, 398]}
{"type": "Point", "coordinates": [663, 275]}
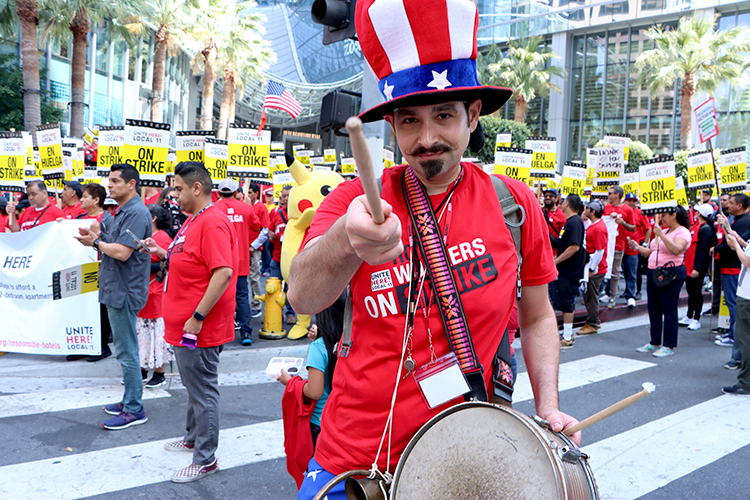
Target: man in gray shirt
{"type": "Point", "coordinates": [123, 288]}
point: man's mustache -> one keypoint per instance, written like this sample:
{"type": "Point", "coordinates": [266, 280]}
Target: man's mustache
{"type": "Point", "coordinates": [437, 148]}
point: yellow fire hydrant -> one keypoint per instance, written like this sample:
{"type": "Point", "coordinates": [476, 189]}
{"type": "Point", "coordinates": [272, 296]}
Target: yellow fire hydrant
{"type": "Point", "coordinates": [274, 300]}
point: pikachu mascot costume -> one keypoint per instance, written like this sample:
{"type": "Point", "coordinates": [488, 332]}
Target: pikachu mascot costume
{"type": "Point", "coordinates": [304, 199]}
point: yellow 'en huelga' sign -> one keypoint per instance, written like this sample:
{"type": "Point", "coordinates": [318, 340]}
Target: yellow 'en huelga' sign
{"type": "Point", "coordinates": [733, 170]}
{"type": "Point", "coordinates": [630, 183]}
{"type": "Point", "coordinates": [701, 172]}
{"type": "Point", "coordinates": [50, 150]}
{"type": "Point", "coordinates": [12, 160]}
{"type": "Point", "coordinates": [110, 149]}
{"type": "Point", "coordinates": [147, 149]}
{"type": "Point", "coordinates": [503, 140]}
{"type": "Point", "coordinates": [544, 161]}
{"type": "Point", "coordinates": [620, 141]}
{"type": "Point", "coordinates": [573, 179]}
{"type": "Point", "coordinates": [657, 185]}
{"type": "Point", "coordinates": [215, 155]}
{"type": "Point", "coordinates": [249, 152]}
{"type": "Point", "coordinates": [514, 163]}
{"type": "Point", "coordinates": [329, 155]}
{"type": "Point", "coordinates": [679, 191]}
{"type": "Point", "coordinates": [189, 144]}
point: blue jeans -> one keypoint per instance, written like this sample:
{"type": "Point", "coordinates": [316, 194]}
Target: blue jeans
{"type": "Point", "coordinates": [630, 268]}
{"type": "Point", "coordinates": [276, 273]}
{"type": "Point", "coordinates": [265, 257]}
{"type": "Point", "coordinates": [125, 341]}
{"type": "Point", "coordinates": [242, 312]}
{"type": "Point", "coordinates": [729, 287]}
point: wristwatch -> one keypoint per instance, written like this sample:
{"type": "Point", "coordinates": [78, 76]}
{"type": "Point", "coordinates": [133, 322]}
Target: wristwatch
{"type": "Point", "coordinates": [96, 244]}
{"type": "Point", "coordinates": [198, 316]}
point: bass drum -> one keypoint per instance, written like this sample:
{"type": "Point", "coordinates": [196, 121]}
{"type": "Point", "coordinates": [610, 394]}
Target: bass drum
{"type": "Point", "coordinates": [481, 451]}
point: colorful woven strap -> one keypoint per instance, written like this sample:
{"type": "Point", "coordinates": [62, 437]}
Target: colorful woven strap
{"type": "Point", "coordinates": [434, 253]}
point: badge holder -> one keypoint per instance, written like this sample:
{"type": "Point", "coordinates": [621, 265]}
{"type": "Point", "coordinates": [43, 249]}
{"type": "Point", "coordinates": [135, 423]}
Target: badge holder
{"type": "Point", "coordinates": [441, 381]}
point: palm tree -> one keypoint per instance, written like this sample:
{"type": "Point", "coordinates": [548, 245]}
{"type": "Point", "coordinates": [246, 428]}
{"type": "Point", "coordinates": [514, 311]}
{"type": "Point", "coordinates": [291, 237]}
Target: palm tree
{"type": "Point", "coordinates": [26, 13]}
{"type": "Point", "coordinates": [243, 54]}
{"type": "Point", "coordinates": [696, 55]}
{"type": "Point", "coordinates": [76, 17]}
{"type": "Point", "coordinates": [525, 70]}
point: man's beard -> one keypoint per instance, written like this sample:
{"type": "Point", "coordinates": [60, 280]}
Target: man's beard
{"type": "Point", "coordinates": [431, 168]}
{"type": "Point", "coordinates": [549, 205]}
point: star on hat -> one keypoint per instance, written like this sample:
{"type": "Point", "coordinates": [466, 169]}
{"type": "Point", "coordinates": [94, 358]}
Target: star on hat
{"type": "Point", "coordinates": [439, 80]}
{"type": "Point", "coordinates": [388, 91]}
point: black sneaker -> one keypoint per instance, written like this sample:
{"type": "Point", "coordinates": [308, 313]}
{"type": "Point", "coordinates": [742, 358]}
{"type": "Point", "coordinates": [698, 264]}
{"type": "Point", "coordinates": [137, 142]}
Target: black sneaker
{"type": "Point", "coordinates": [157, 380]}
{"type": "Point", "coordinates": [245, 338]}
{"type": "Point", "coordinates": [103, 355]}
{"type": "Point", "coordinates": [739, 391]}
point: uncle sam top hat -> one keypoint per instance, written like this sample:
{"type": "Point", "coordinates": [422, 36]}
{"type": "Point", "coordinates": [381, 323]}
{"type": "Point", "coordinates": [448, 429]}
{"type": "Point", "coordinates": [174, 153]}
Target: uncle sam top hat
{"type": "Point", "coordinates": [423, 52]}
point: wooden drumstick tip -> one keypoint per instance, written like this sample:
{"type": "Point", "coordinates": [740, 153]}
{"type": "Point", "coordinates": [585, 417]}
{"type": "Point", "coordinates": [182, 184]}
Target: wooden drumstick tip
{"type": "Point", "coordinates": [353, 125]}
{"type": "Point", "coordinates": [648, 388]}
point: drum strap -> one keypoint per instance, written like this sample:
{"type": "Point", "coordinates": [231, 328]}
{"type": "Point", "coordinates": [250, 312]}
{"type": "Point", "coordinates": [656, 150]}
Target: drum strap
{"type": "Point", "coordinates": [432, 247]}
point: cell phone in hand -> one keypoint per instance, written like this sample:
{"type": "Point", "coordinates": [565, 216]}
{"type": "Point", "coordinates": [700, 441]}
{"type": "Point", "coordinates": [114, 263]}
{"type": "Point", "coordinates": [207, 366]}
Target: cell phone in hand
{"type": "Point", "coordinates": [137, 241]}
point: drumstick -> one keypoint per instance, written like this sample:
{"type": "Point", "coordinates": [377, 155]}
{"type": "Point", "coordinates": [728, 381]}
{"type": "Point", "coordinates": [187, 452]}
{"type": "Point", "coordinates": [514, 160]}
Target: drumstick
{"type": "Point", "coordinates": [648, 388]}
{"type": "Point", "coordinates": [364, 165]}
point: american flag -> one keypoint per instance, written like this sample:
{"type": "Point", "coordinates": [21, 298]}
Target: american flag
{"type": "Point", "coordinates": [278, 97]}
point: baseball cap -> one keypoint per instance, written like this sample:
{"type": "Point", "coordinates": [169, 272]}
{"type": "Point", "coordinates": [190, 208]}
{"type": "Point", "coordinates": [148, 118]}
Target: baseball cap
{"type": "Point", "coordinates": [228, 186]}
{"type": "Point", "coordinates": [110, 202]}
{"type": "Point", "coordinates": [268, 192]}
{"type": "Point", "coordinates": [705, 210]}
{"type": "Point", "coordinates": [550, 190]}
{"type": "Point", "coordinates": [631, 196]}
{"type": "Point", "coordinates": [596, 206]}
{"type": "Point", "coordinates": [75, 186]}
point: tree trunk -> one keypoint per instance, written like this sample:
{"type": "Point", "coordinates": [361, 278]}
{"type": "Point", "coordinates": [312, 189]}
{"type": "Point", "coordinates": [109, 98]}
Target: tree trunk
{"type": "Point", "coordinates": [226, 100]}
{"type": "Point", "coordinates": [157, 81]}
{"type": "Point", "coordinates": [686, 100]}
{"type": "Point", "coordinates": [232, 107]}
{"type": "Point", "coordinates": [32, 107]}
{"type": "Point", "coordinates": [521, 109]}
{"type": "Point", "coordinates": [79, 27]}
{"type": "Point", "coordinates": [209, 79]}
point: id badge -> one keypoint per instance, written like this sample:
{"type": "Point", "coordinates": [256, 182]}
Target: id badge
{"type": "Point", "coordinates": [441, 381]}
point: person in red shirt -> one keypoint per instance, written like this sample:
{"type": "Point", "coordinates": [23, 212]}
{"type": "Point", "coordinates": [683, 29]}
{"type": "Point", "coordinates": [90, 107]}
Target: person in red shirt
{"type": "Point", "coordinates": [151, 195]}
{"type": "Point", "coordinates": [3, 215]}
{"type": "Point", "coordinates": [245, 222]}
{"type": "Point", "coordinates": [258, 238]}
{"type": "Point", "coordinates": [91, 153]}
{"type": "Point", "coordinates": [632, 260]}
{"type": "Point", "coordinates": [200, 288]}
{"type": "Point", "coordinates": [41, 210]}
{"type": "Point", "coordinates": [596, 268]}
{"type": "Point", "coordinates": [71, 200]}
{"type": "Point", "coordinates": [553, 215]}
{"type": "Point", "coordinates": [279, 218]}
{"type": "Point", "coordinates": [623, 216]}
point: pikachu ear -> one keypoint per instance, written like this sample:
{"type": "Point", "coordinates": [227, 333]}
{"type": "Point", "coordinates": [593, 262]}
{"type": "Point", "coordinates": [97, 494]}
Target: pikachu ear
{"type": "Point", "coordinates": [299, 172]}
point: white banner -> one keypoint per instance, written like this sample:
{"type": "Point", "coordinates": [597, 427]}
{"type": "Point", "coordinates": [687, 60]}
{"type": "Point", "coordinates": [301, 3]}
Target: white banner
{"type": "Point", "coordinates": [33, 322]}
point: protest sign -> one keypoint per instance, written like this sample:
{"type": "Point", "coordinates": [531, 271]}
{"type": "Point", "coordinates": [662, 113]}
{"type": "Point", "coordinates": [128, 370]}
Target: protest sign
{"type": "Point", "coordinates": [701, 172]}
{"type": "Point", "coordinates": [599, 192]}
{"type": "Point", "coordinates": [609, 166]}
{"type": "Point", "coordinates": [29, 147]}
{"type": "Point", "coordinates": [249, 152]}
{"type": "Point", "coordinates": [12, 160]}
{"type": "Point", "coordinates": [67, 164]}
{"type": "Point", "coordinates": [110, 150]}
{"type": "Point", "coordinates": [544, 160]}
{"type": "Point", "coordinates": [733, 170]}
{"type": "Point", "coordinates": [592, 158]}
{"type": "Point", "coordinates": [619, 141]}
{"type": "Point", "coordinates": [189, 144]}
{"type": "Point", "coordinates": [147, 148]}
{"type": "Point", "coordinates": [29, 261]}
{"type": "Point", "coordinates": [33, 171]}
{"type": "Point", "coordinates": [657, 185]}
{"type": "Point", "coordinates": [281, 178]}
{"type": "Point", "coordinates": [215, 155]}
{"type": "Point", "coordinates": [705, 117]}
{"type": "Point", "coordinates": [630, 183]}
{"type": "Point", "coordinates": [503, 140]}
{"type": "Point", "coordinates": [348, 167]}
{"type": "Point", "coordinates": [277, 161]}
{"type": "Point", "coordinates": [303, 156]}
{"type": "Point", "coordinates": [679, 191]}
{"type": "Point", "coordinates": [75, 280]}
{"type": "Point", "coordinates": [329, 155]}
{"type": "Point", "coordinates": [514, 163]}
{"type": "Point", "coordinates": [573, 179]}
{"type": "Point", "coordinates": [50, 150]}
{"type": "Point", "coordinates": [171, 163]}
{"type": "Point", "coordinates": [388, 157]}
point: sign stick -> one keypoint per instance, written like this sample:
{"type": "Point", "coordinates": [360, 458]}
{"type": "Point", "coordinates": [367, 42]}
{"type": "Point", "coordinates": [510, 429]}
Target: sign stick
{"type": "Point", "coordinates": [716, 177]}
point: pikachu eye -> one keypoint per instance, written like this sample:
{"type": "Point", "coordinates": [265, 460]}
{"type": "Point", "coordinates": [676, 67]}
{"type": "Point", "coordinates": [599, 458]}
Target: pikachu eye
{"type": "Point", "coordinates": [325, 190]}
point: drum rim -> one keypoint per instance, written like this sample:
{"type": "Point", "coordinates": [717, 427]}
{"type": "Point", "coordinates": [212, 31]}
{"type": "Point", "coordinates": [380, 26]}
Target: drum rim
{"type": "Point", "coordinates": [535, 429]}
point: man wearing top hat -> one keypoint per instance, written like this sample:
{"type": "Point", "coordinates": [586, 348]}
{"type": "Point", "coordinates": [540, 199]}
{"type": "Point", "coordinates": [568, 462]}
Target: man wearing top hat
{"type": "Point", "coordinates": [424, 54]}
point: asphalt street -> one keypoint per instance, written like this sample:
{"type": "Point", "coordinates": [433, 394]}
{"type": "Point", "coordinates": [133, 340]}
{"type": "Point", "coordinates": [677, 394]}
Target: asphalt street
{"type": "Point", "coordinates": [685, 441]}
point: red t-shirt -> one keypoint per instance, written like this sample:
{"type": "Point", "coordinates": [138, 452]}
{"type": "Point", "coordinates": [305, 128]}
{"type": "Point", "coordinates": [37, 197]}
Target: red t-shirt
{"type": "Point", "coordinates": [32, 217]}
{"type": "Point", "coordinates": [555, 221]}
{"type": "Point", "coordinates": [278, 225]}
{"type": "Point", "coordinates": [152, 309]}
{"type": "Point", "coordinates": [152, 200]}
{"type": "Point", "coordinates": [3, 222]}
{"type": "Point", "coordinates": [243, 218]}
{"type": "Point", "coordinates": [203, 245]}
{"type": "Point", "coordinates": [627, 216]}
{"type": "Point", "coordinates": [262, 212]}
{"type": "Point", "coordinates": [642, 225]}
{"type": "Point", "coordinates": [690, 254]}
{"type": "Point", "coordinates": [483, 260]}
{"type": "Point", "coordinates": [74, 211]}
{"type": "Point", "coordinates": [596, 239]}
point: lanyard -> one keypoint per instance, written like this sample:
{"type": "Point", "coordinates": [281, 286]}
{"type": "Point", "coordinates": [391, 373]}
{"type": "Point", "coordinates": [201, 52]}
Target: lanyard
{"type": "Point", "coordinates": [183, 229]}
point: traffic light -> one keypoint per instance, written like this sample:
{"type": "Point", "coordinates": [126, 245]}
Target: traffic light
{"type": "Point", "coordinates": [338, 18]}
{"type": "Point", "coordinates": [336, 108]}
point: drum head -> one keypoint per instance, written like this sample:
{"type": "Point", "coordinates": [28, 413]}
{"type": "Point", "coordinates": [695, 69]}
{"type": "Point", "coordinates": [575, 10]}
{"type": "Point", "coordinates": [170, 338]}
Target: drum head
{"type": "Point", "coordinates": [477, 451]}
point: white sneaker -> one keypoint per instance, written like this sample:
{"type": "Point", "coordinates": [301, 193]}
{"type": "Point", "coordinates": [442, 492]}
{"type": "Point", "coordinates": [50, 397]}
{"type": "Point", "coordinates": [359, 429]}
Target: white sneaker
{"type": "Point", "coordinates": [684, 321]}
{"type": "Point", "coordinates": [631, 302]}
{"type": "Point", "coordinates": [694, 325]}
{"type": "Point", "coordinates": [604, 298]}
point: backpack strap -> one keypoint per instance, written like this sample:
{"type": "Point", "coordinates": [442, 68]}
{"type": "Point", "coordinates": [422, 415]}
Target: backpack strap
{"type": "Point", "coordinates": [515, 216]}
